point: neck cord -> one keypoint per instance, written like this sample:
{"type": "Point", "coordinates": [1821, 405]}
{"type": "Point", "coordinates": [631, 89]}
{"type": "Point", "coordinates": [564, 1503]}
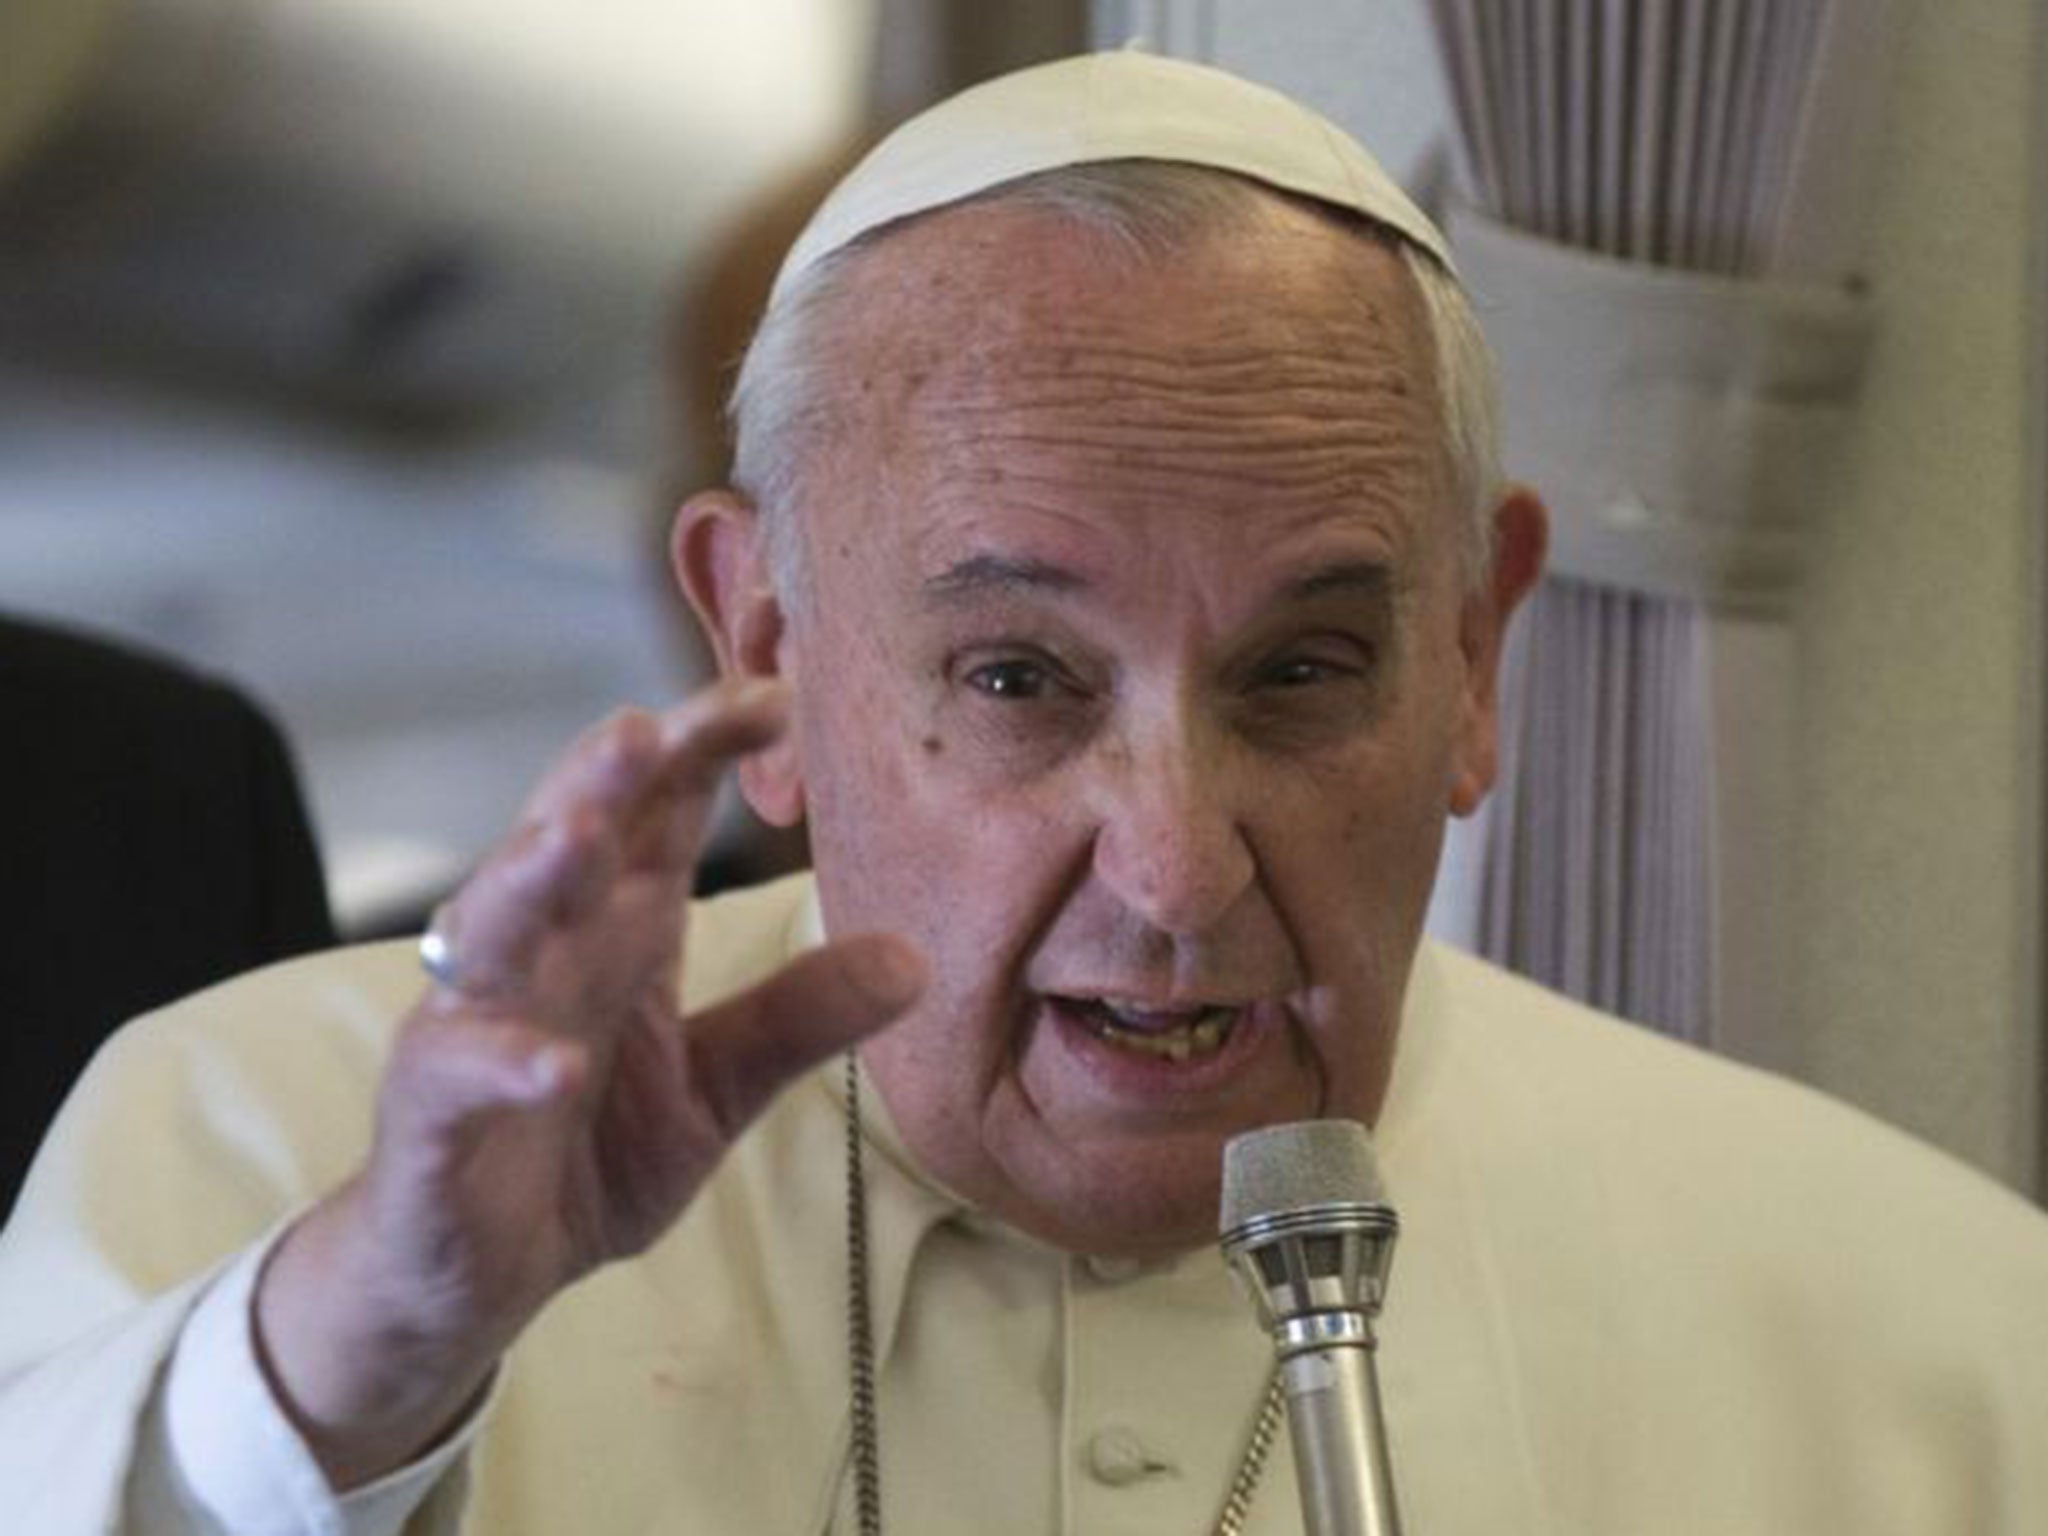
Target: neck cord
{"type": "Point", "coordinates": [860, 1321]}
{"type": "Point", "coordinates": [860, 1350]}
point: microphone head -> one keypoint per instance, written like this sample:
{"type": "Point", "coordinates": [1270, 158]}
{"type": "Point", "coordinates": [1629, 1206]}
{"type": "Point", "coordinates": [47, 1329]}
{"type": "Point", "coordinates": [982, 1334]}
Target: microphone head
{"type": "Point", "coordinates": [1291, 1167]}
{"type": "Point", "coordinates": [1305, 1222]}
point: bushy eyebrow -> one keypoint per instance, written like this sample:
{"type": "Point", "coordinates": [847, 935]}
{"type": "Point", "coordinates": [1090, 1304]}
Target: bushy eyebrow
{"type": "Point", "coordinates": [1365, 579]}
{"type": "Point", "coordinates": [981, 574]}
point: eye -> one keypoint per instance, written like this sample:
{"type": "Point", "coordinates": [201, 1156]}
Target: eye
{"type": "Point", "coordinates": [1307, 669]}
{"type": "Point", "coordinates": [1296, 672]}
{"type": "Point", "coordinates": [1013, 678]}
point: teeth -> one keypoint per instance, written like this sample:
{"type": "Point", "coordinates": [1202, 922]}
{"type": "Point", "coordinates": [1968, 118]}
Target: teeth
{"type": "Point", "coordinates": [1137, 1018]}
{"type": "Point", "coordinates": [1137, 1030]}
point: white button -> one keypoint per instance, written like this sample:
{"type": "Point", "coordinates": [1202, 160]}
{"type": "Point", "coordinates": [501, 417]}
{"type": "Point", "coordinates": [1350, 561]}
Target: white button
{"type": "Point", "coordinates": [1117, 1456]}
{"type": "Point", "coordinates": [1107, 1268]}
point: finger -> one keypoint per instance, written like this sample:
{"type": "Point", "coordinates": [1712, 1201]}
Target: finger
{"type": "Point", "coordinates": [547, 874]}
{"type": "Point", "coordinates": [637, 781]}
{"type": "Point", "coordinates": [745, 1049]}
{"type": "Point", "coordinates": [608, 766]}
{"type": "Point", "coordinates": [700, 739]}
{"type": "Point", "coordinates": [702, 735]}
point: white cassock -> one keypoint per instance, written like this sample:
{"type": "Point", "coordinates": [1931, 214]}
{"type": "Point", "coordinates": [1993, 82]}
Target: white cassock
{"type": "Point", "coordinates": [1638, 1290]}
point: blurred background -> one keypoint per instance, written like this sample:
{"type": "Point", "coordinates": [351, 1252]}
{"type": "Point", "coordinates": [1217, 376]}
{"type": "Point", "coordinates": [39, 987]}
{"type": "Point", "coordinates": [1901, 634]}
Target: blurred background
{"type": "Point", "coordinates": [354, 352]}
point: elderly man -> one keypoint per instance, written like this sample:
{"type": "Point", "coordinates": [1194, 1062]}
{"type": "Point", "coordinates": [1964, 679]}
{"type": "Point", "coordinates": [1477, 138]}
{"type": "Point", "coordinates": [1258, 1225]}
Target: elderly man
{"type": "Point", "coordinates": [1116, 586]}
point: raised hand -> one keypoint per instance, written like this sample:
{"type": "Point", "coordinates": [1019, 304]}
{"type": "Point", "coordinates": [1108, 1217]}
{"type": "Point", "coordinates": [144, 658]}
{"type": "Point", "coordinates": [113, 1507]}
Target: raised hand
{"type": "Point", "coordinates": [547, 1108]}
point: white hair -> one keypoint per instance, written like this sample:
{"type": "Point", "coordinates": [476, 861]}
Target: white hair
{"type": "Point", "coordinates": [781, 404]}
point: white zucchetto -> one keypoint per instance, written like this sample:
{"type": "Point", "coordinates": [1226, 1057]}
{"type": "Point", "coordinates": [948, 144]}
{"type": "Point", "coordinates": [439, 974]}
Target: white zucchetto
{"type": "Point", "coordinates": [1123, 105]}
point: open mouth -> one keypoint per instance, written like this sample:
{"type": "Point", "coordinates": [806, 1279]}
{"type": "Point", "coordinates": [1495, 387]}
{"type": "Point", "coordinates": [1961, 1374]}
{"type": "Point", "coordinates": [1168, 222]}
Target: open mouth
{"type": "Point", "coordinates": [1168, 1034]}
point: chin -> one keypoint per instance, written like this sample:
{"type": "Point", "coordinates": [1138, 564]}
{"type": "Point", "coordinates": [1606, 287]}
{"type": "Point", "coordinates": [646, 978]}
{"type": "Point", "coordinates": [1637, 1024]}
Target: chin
{"type": "Point", "coordinates": [1162, 1203]}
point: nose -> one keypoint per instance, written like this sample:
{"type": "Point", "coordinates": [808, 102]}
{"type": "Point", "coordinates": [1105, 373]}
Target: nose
{"type": "Point", "coordinates": [1170, 841]}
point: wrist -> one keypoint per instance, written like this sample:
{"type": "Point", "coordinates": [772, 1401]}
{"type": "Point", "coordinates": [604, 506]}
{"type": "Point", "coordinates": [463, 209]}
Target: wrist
{"type": "Point", "coordinates": [369, 1379]}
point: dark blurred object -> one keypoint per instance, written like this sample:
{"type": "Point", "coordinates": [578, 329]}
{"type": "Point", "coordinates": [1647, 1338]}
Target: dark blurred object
{"type": "Point", "coordinates": [155, 842]}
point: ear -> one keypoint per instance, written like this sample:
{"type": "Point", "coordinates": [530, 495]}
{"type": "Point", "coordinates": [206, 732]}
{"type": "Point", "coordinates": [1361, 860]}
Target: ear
{"type": "Point", "coordinates": [720, 562]}
{"type": "Point", "coordinates": [1520, 534]}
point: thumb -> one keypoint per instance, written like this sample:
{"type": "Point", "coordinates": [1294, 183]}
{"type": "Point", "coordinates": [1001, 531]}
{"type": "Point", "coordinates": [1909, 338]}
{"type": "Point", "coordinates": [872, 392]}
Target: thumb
{"type": "Point", "coordinates": [743, 1050]}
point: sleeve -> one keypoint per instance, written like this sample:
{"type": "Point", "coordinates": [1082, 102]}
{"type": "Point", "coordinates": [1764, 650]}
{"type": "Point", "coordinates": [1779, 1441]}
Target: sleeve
{"type": "Point", "coordinates": [216, 1455]}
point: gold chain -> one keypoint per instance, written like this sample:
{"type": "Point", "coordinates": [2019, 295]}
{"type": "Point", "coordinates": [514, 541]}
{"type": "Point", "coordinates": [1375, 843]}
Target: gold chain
{"type": "Point", "coordinates": [860, 1350]}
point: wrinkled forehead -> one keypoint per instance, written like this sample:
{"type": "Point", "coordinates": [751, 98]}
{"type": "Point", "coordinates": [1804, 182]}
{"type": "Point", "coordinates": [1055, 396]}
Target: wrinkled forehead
{"type": "Point", "coordinates": [1000, 358]}
{"type": "Point", "coordinates": [995, 286]}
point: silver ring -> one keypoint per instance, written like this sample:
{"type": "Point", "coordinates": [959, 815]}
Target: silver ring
{"type": "Point", "coordinates": [437, 953]}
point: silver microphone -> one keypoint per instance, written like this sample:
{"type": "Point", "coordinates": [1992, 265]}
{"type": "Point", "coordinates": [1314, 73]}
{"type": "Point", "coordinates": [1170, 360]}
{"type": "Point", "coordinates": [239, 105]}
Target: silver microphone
{"type": "Point", "coordinates": [1306, 1226]}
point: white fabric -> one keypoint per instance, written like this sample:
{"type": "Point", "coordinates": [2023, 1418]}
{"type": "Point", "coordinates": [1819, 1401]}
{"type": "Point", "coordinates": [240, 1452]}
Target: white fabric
{"type": "Point", "coordinates": [1683, 427]}
{"type": "Point", "coordinates": [217, 1455]}
{"type": "Point", "coordinates": [1103, 106]}
{"type": "Point", "coordinates": [1637, 1290]}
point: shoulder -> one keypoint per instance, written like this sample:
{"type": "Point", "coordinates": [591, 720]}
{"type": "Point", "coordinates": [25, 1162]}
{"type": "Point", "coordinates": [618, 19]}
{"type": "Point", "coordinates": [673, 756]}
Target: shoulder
{"type": "Point", "coordinates": [315, 1029]}
{"type": "Point", "coordinates": [208, 1119]}
{"type": "Point", "coordinates": [1609, 1077]}
{"type": "Point", "coordinates": [1748, 1295]}
{"type": "Point", "coordinates": [1668, 1135]}
{"type": "Point", "coordinates": [282, 1063]}
{"type": "Point", "coordinates": [196, 1129]}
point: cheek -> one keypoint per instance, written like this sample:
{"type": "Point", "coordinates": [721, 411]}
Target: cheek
{"type": "Point", "coordinates": [855, 736]}
{"type": "Point", "coordinates": [862, 795]}
{"type": "Point", "coordinates": [908, 836]}
{"type": "Point", "coordinates": [1355, 845]}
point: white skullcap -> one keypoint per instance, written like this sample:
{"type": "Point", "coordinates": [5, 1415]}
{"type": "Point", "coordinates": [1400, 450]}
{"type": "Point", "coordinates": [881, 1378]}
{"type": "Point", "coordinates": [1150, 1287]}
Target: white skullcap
{"type": "Point", "coordinates": [1104, 106]}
